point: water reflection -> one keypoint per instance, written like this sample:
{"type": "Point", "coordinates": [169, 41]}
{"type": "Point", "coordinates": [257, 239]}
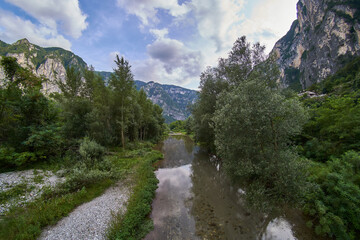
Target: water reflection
{"type": "Point", "coordinates": [195, 200]}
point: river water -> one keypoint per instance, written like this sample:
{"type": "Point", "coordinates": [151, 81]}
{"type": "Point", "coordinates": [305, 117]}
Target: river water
{"type": "Point", "coordinates": [196, 200]}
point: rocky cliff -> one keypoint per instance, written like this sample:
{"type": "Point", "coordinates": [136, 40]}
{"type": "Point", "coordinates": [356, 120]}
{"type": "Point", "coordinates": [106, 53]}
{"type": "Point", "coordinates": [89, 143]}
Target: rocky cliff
{"type": "Point", "coordinates": [49, 62]}
{"type": "Point", "coordinates": [325, 36]}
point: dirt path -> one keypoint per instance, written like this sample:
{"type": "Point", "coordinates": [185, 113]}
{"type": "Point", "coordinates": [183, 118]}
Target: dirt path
{"type": "Point", "coordinates": [90, 220]}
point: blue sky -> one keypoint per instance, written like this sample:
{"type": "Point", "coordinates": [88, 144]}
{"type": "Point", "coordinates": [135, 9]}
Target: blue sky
{"type": "Point", "coordinates": [167, 41]}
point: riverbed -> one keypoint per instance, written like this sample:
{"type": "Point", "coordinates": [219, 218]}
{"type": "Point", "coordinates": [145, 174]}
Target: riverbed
{"type": "Point", "coordinates": [196, 200]}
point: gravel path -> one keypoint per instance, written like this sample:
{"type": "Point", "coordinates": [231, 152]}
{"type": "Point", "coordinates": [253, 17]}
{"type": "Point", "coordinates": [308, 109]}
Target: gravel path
{"type": "Point", "coordinates": [90, 220]}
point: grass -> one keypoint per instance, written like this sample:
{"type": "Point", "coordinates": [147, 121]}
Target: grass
{"type": "Point", "coordinates": [135, 224]}
{"type": "Point", "coordinates": [14, 192]}
{"type": "Point", "coordinates": [27, 223]}
{"type": "Point", "coordinates": [83, 185]}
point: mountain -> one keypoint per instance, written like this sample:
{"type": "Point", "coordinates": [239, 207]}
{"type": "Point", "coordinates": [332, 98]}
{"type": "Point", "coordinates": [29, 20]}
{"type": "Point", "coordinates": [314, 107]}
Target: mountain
{"type": "Point", "coordinates": [325, 36]}
{"type": "Point", "coordinates": [50, 62]}
{"type": "Point", "coordinates": [172, 99]}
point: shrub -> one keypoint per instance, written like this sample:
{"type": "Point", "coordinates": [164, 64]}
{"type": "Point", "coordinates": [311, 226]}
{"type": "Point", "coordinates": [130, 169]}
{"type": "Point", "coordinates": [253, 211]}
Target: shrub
{"type": "Point", "coordinates": [335, 199]}
{"type": "Point", "coordinates": [91, 152]}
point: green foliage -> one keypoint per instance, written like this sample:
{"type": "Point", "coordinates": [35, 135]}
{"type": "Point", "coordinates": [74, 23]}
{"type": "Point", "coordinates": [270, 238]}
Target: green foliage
{"type": "Point", "coordinates": [177, 126]}
{"type": "Point", "coordinates": [14, 192]}
{"type": "Point", "coordinates": [35, 128]}
{"type": "Point", "coordinates": [135, 224]}
{"type": "Point", "coordinates": [72, 86]}
{"type": "Point", "coordinates": [333, 128]}
{"type": "Point", "coordinates": [243, 63]}
{"type": "Point", "coordinates": [91, 152]}
{"type": "Point", "coordinates": [334, 203]}
{"type": "Point", "coordinates": [28, 128]}
{"type": "Point", "coordinates": [253, 127]}
{"type": "Point", "coordinates": [242, 117]}
{"type": "Point", "coordinates": [293, 77]}
{"type": "Point", "coordinates": [189, 125]}
{"type": "Point", "coordinates": [331, 140]}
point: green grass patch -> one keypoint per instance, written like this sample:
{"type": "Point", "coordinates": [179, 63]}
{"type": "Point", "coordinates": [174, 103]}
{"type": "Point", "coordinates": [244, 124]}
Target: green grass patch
{"type": "Point", "coordinates": [27, 223]}
{"type": "Point", "coordinates": [135, 223]}
{"type": "Point", "coordinates": [14, 192]}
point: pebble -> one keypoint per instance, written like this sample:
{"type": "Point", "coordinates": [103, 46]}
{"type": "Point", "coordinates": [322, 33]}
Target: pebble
{"type": "Point", "coordinates": [90, 220]}
{"type": "Point", "coordinates": [9, 180]}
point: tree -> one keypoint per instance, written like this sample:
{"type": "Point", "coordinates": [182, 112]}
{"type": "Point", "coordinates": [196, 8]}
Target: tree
{"type": "Point", "coordinates": [248, 123]}
{"type": "Point", "coordinates": [72, 86]}
{"type": "Point", "coordinates": [28, 120]}
{"type": "Point", "coordinates": [244, 62]}
{"type": "Point", "coordinates": [253, 127]}
{"type": "Point", "coordinates": [121, 83]}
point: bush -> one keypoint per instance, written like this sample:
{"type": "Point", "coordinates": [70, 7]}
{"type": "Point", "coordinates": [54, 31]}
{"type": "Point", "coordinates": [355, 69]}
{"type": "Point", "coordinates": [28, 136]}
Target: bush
{"type": "Point", "coordinates": [335, 199]}
{"type": "Point", "coordinates": [10, 158]}
{"type": "Point", "coordinates": [91, 152]}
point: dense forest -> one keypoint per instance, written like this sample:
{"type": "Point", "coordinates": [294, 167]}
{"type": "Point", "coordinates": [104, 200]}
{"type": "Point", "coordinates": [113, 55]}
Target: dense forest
{"type": "Point", "coordinates": [284, 148]}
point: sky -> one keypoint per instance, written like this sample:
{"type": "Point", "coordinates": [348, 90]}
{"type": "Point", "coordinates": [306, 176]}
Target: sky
{"type": "Point", "coordinates": [166, 41]}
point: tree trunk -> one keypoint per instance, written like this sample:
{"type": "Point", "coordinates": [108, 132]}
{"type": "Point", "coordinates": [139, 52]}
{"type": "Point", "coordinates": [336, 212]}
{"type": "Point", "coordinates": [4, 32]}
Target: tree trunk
{"type": "Point", "coordinates": [122, 138]}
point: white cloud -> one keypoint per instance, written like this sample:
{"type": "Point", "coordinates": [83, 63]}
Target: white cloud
{"type": "Point", "coordinates": [13, 28]}
{"type": "Point", "coordinates": [159, 33]}
{"type": "Point", "coordinates": [146, 10]}
{"type": "Point", "coordinates": [217, 20]}
{"type": "Point", "coordinates": [218, 23]}
{"type": "Point", "coordinates": [269, 21]}
{"type": "Point", "coordinates": [63, 13]}
{"type": "Point", "coordinates": [169, 61]}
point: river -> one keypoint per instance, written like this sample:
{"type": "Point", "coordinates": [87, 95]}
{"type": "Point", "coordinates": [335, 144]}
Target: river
{"type": "Point", "coordinates": [196, 200]}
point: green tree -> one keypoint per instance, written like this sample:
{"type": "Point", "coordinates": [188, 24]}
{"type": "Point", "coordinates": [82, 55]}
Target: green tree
{"type": "Point", "coordinates": [244, 62]}
{"type": "Point", "coordinates": [253, 127]}
{"type": "Point", "coordinates": [122, 83]}
{"type": "Point", "coordinates": [28, 120]}
{"type": "Point", "coordinates": [334, 127]}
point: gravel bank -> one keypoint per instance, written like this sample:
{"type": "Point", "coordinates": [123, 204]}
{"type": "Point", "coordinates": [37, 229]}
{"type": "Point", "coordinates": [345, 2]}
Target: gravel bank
{"type": "Point", "coordinates": [90, 220]}
{"type": "Point", "coordinates": [34, 179]}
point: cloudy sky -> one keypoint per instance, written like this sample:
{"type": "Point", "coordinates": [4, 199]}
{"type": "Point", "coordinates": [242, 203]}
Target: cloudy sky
{"type": "Point", "coordinates": [167, 41]}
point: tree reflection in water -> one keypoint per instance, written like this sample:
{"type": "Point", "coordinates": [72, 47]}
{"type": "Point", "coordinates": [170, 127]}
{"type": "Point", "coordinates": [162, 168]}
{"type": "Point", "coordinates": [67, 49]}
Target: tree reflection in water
{"type": "Point", "coordinates": [196, 200]}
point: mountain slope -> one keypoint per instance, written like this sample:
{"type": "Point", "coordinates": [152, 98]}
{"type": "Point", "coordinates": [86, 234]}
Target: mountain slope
{"type": "Point", "coordinates": [325, 36]}
{"type": "Point", "coordinates": [172, 99]}
{"type": "Point", "coordinates": [50, 62]}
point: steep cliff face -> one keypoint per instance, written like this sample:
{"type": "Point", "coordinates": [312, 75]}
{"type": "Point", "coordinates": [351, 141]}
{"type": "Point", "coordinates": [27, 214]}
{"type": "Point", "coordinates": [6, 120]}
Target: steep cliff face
{"type": "Point", "coordinates": [325, 36]}
{"type": "Point", "coordinates": [49, 62]}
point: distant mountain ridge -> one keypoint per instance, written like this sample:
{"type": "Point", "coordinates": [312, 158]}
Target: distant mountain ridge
{"type": "Point", "coordinates": [174, 100]}
{"type": "Point", "coordinates": [52, 63]}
